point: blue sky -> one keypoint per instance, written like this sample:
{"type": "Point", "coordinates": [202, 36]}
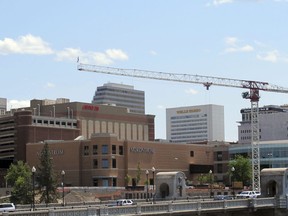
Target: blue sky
{"type": "Point", "coordinates": [241, 39]}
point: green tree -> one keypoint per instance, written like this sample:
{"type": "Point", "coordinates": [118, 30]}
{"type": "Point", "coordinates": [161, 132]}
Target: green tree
{"type": "Point", "coordinates": [138, 175]}
{"type": "Point", "coordinates": [19, 177]}
{"type": "Point", "coordinates": [242, 169]}
{"type": "Point", "coordinates": [46, 177]}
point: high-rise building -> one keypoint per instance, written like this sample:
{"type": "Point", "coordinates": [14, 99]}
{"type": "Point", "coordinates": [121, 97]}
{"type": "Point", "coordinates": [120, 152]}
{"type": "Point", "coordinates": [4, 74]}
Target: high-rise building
{"type": "Point", "coordinates": [273, 124]}
{"type": "Point", "coordinates": [120, 95]}
{"type": "Point", "coordinates": [3, 106]}
{"type": "Point", "coordinates": [195, 123]}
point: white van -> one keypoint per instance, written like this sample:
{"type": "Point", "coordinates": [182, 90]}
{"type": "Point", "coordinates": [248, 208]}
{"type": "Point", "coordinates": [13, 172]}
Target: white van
{"type": "Point", "coordinates": [7, 207]}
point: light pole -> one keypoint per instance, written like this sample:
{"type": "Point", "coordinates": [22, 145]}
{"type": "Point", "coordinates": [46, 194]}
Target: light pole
{"type": "Point", "coordinates": [147, 174]}
{"type": "Point", "coordinates": [210, 177]}
{"type": "Point", "coordinates": [33, 187]}
{"type": "Point", "coordinates": [232, 173]}
{"type": "Point", "coordinates": [153, 174]}
{"type": "Point", "coordinates": [63, 174]}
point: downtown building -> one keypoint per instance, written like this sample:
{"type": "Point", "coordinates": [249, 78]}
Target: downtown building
{"type": "Point", "coordinates": [3, 106]}
{"type": "Point", "coordinates": [273, 124]}
{"type": "Point", "coordinates": [63, 120]}
{"type": "Point", "coordinates": [195, 124]}
{"type": "Point", "coordinates": [122, 96]}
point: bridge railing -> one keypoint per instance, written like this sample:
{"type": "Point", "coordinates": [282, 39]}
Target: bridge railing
{"type": "Point", "coordinates": [156, 208]}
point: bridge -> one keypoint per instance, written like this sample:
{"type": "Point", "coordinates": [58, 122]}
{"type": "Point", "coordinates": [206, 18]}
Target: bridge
{"type": "Point", "coordinates": [236, 207]}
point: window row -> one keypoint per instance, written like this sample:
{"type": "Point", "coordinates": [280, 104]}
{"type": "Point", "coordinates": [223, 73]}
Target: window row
{"type": "Point", "coordinates": [104, 150]}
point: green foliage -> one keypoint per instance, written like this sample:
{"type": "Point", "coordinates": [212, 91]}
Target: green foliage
{"type": "Point", "coordinates": [46, 177]}
{"type": "Point", "coordinates": [19, 177]}
{"type": "Point", "coordinates": [243, 169]}
{"type": "Point", "coordinates": [206, 178]}
{"type": "Point", "coordinates": [127, 179]}
{"type": "Point", "coordinates": [138, 176]}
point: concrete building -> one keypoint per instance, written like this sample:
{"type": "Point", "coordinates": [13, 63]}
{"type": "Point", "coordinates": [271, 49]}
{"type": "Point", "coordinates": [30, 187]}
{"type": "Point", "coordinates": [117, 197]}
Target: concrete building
{"type": "Point", "coordinates": [105, 160]}
{"type": "Point", "coordinates": [47, 120]}
{"type": "Point", "coordinates": [3, 106]}
{"type": "Point", "coordinates": [195, 123]}
{"type": "Point", "coordinates": [273, 124]}
{"type": "Point", "coordinates": [122, 96]}
{"type": "Point", "coordinates": [273, 154]}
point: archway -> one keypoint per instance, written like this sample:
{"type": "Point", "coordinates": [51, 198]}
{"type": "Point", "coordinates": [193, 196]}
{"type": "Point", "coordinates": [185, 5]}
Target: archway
{"type": "Point", "coordinates": [272, 189]}
{"type": "Point", "coordinates": [164, 190]}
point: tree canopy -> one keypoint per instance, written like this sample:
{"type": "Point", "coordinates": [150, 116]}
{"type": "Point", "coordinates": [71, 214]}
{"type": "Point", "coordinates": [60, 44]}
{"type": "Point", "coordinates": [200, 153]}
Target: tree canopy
{"type": "Point", "coordinates": [46, 177]}
{"type": "Point", "coordinates": [19, 178]}
{"type": "Point", "coordinates": [242, 169]}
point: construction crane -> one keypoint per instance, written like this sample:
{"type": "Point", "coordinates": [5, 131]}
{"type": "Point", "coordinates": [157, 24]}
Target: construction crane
{"type": "Point", "coordinates": [253, 94]}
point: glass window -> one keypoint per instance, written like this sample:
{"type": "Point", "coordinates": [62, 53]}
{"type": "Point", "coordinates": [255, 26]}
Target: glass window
{"type": "Point", "coordinates": [105, 163]}
{"type": "Point", "coordinates": [86, 150]}
{"type": "Point", "coordinates": [113, 149]}
{"type": "Point", "coordinates": [95, 149]}
{"type": "Point", "coordinates": [191, 153]}
{"type": "Point", "coordinates": [95, 163]}
{"type": "Point", "coordinates": [114, 165]}
{"type": "Point", "coordinates": [104, 149]}
{"type": "Point", "coordinates": [120, 150]}
{"type": "Point", "coordinates": [105, 182]}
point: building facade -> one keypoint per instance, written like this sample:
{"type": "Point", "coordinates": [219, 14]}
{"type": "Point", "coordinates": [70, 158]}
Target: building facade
{"type": "Point", "coordinates": [273, 124]}
{"type": "Point", "coordinates": [273, 154]}
{"type": "Point", "coordinates": [122, 96]}
{"type": "Point", "coordinates": [47, 120]}
{"type": "Point", "coordinates": [104, 160]}
{"type": "Point", "coordinates": [195, 123]}
{"type": "Point", "coordinates": [3, 106]}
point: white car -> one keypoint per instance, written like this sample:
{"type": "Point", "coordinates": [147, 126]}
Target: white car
{"type": "Point", "coordinates": [247, 194]}
{"type": "Point", "coordinates": [124, 202]}
{"type": "Point", "coordinates": [7, 207]}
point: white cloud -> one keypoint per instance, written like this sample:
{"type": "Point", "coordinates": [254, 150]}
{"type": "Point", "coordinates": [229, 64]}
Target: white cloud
{"type": "Point", "coordinates": [218, 2]}
{"type": "Point", "coordinates": [116, 54]}
{"type": "Point", "coordinates": [234, 45]}
{"type": "Point", "coordinates": [27, 44]}
{"type": "Point", "coordinates": [152, 52]}
{"type": "Point", "coordinates": [271, 56]}
{"type": "Point", "coordinates": [15, 104]}
{"type": "Point", "coordinates": [49, 85]}
{"type": "Point", "coordinates": [30, 44]}
{"type": "Point", "coordinates": [191, 91]}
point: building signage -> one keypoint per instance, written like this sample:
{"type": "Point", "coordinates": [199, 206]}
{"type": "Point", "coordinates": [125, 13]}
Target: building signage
{"type": "Point", "coordinates": [90, 107]}
{"type": "Point", "coordinates": [188, 111]}
{"type": "Point", "coordinates": [142, 150]}
{"type": "Point", "coordinates": [54, 152]}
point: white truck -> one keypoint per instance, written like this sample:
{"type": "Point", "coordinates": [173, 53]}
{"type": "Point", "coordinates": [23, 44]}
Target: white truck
{"type": "Point", "coordinates": [248, 194]}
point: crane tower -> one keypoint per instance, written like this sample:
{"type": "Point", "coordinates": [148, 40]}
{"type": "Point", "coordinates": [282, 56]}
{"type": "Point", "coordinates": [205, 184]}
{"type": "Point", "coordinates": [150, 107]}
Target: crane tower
{"type": "Point", "coordinates": [253, 94]}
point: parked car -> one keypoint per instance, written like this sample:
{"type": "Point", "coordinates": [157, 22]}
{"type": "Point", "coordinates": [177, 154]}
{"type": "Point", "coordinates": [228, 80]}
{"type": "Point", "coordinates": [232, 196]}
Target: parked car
{"type": "Point", "coordinates": [7, 207]}
{"type": "Point", "coordinates": [223, 197]}
{"type": "Point", "coordinates": [247, 194]}
{"type": "Point", "coordinates": [124, 202]}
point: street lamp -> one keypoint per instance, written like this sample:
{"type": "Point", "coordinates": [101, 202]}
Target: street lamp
{"type": "Point", "coordinates": [232, 173]}
{"type": "Point", "coordinates": [63, 174]}
{"type": "Point", "coordinates": [33, 187]}
{"type": "Point", "coordinates": [147, 174]}
{"type": "Point", "coordinates": [153, 173]}
{"type": "Point", "coordinates": [210, 177]}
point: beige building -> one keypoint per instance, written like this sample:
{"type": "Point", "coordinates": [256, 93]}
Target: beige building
{"type": "Point", "coordinates": [105, 160]}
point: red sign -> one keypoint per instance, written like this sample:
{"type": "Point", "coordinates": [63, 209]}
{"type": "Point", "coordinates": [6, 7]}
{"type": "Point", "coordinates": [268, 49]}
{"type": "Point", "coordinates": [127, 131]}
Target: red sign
{"type": "Point", "coordinates": [90, 107]}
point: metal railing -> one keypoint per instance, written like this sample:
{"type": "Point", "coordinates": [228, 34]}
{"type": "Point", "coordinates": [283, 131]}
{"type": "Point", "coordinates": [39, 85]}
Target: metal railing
{"type": "Point", "coordinates": [156, 208]}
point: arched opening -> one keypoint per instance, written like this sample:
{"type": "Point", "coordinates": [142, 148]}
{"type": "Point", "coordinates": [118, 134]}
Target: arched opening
{"type": "Point", "coordinates": [272, 188]}
{"type": "Point", "coordinates": [164, 190]}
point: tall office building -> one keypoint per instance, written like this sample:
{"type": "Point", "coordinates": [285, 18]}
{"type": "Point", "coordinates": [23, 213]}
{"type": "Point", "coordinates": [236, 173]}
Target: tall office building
{"type": "Point", "coordinates": [121, 95]}
{"type": "Point", "coordinates": [273, 124]}
{"type": "Point", "coordinates": [195, 123]}
{"type": "Point", "coordinates": [3, 106]}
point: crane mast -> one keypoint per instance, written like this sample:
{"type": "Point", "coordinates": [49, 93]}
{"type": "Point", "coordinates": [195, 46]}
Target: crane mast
{"type": "Point", "coordinates": [253, 94]}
